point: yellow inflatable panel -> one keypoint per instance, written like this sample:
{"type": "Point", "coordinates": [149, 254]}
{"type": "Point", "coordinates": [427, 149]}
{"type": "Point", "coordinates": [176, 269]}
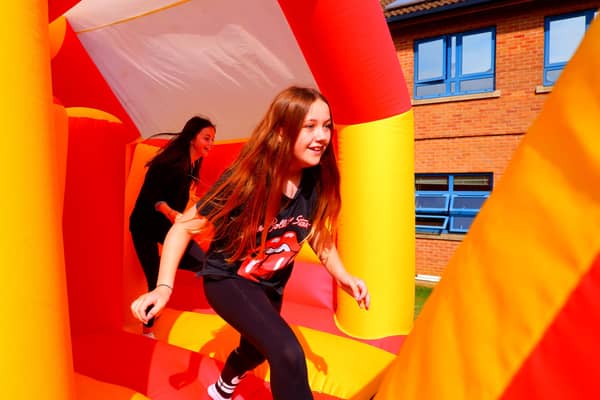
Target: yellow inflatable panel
{"type": "Point", "coordinates": [35, 331]}
{"type": "Point", "coordinates": [377, 230]}
{"type": "Point", "coordinates": [337, 366]}
{"type": "Point", "coordinates": [86, 112]}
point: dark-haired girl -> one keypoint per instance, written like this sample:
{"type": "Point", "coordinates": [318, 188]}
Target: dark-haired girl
{"type": "Point", "coordinates": [165, 193]}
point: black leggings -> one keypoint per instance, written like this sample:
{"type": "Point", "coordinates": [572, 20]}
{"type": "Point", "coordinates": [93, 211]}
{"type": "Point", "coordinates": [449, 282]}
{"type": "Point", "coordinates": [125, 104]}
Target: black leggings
{"type": "Point", "coordinates": [254, 311]}
{"type": "Point", "coordinates": [148, 253]}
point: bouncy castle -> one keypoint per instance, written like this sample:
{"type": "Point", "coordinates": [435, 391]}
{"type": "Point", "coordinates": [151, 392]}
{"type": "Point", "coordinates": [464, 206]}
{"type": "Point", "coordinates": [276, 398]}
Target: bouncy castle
{"type": "Point", "coordinates": [86, 82]}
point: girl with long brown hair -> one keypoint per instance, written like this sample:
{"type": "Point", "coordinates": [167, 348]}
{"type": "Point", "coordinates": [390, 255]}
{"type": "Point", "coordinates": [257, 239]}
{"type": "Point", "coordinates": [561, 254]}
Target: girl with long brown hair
{"type": "Point", "coordinates": [282, 190]}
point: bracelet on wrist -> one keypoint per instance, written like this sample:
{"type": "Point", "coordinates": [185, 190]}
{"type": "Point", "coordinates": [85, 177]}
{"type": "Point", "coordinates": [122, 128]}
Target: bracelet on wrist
{"type": "Point", "coordinates": [165, 285]}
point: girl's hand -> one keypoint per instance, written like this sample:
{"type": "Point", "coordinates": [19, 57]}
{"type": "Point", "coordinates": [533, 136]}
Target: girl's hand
{"type": "Point", "coordinates": [174, 216]}
{"type": "Point", "coordinates": [150, 304]}
{"type": "Point", "coordinates": [357, 288]}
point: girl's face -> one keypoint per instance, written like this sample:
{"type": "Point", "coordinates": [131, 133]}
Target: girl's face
{"type": "Point", "coordinates": [203, 141]}
{"type": "Point", "coordinates": [314, 137]}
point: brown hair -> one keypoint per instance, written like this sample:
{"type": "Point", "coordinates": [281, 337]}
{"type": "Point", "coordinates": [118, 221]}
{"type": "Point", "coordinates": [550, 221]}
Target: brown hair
{"type": "Point", "coordinates": [249, 195]}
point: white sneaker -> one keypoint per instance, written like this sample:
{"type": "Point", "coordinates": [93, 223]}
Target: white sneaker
{"type": "Point", "coordinates": [214, 394]}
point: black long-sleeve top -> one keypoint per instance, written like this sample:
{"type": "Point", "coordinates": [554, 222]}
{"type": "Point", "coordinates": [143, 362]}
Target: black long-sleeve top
{"type": "Point", "coordinates": [163, 182]}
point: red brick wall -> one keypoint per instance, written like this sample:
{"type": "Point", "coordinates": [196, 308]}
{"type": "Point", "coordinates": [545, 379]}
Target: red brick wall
{"type": "Point", "coordinates": [433, 255]}
{"type": "Point", "coordinates": [479, 135]}
{"type": "Point", "coordinates": [466, 154]}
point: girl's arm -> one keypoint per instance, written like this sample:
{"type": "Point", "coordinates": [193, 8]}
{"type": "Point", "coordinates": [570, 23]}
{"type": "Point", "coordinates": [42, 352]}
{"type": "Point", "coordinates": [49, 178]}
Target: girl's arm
{"type": "Point", "coordinates": [160, 180]}
{"type": "Point", "coordinates": [163, 208]}
{"type": "Point", "coordinates": [355, 287]}
{"type": "Point", "coordinates": [176, 241]}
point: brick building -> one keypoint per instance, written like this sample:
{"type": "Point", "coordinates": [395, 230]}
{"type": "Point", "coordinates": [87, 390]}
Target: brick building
{"type": "Point", "coordinates": [478, 72]}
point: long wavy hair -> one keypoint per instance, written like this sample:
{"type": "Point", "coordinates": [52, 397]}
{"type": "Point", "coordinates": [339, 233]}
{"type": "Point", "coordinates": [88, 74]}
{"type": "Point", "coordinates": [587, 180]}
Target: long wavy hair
{"type": "Point", "coordinates": [177, 150]}
{"type": "Point", "coordinates": [249, 195]}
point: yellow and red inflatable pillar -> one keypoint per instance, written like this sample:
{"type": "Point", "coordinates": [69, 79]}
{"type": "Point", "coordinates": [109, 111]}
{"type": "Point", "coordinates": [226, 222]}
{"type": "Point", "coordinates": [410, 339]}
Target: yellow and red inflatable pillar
{"type": "Point", "coordinates": [350, 52]}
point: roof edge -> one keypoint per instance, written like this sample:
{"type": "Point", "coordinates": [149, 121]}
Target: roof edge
{"type": "Point", "coordinates": [448, 7]}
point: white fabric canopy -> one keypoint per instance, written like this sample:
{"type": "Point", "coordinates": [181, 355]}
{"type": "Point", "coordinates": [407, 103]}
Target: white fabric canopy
{"type": "Point", "coordinates": [169, 60]}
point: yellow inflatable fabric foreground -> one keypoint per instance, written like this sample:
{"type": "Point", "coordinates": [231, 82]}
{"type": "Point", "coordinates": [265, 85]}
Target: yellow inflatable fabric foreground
{"type": "Point", "coordinates": [535, 239]}
{"type": "Point", "coordinates": [34, 335]}
{"type": "Point", "coordinates": [337, 366]}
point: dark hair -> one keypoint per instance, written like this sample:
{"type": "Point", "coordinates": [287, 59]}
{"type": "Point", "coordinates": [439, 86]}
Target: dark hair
{"type": "Point", "coordinates": [178, 148]}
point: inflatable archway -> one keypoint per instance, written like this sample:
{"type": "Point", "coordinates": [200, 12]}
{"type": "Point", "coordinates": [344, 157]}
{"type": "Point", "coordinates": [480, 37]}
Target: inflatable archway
{"type": "Point", "coordinates": [267, 47]}
{"type": "Point", "coordinates": [530, 329]}
{"type": "Point", "coordinates": [177, 58]}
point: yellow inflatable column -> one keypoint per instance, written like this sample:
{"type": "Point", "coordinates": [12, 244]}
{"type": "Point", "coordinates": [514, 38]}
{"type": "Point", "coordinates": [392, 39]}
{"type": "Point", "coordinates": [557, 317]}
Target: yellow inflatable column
{"type": "Point", "coordinates": [35, 348]}
{"type": "Point", "coordinates": [378, 237]}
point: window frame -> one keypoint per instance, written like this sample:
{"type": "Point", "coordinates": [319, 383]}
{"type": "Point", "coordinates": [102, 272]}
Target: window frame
{"type": "Point", "coordinates": [448, 215]}
{"type": "Point", "coordinates": [459, 77]}
{"type": "Point", "coordinates": [431, 228]}
{"type": "Point", "coordinates": [433, 210]}
{"type": "Point", "coordinates": [559, 66]}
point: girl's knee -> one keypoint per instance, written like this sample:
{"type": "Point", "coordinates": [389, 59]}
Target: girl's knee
{"type": "Point", "coordinates": [291, 356]}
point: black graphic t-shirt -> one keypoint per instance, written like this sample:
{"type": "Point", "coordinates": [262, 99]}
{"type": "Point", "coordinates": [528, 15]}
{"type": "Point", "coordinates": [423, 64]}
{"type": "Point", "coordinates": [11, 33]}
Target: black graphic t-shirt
{"type": "Point", "coordinates": [286, 233]}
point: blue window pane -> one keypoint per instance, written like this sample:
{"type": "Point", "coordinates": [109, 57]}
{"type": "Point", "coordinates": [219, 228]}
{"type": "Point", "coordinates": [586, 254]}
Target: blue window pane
{"type": "Point", "coordinates": [461, 224]}
{"type": "Point", "coordinates": [449, 202]}
{"type": "Point", "coordinates": [450, 65]}
{"type": "Point", "coordinates": [478, 182]}
{"type": "Point", "coordinates": [431, 60]}
{"type": "Point", "coordinates": [453, 57]}
{"type": "Point", "coordinates": [472, 203]}
{"type": "Point", "coordinates": [477, 85]}
{"type": "Point", "coordinates": [431, 182]}
{"type": "Point", "coordinates": [431, 223]}
{"type": "Point", "coordinates": [477, 53]}
{"type": "Point", "coordinates": [565, 35]}
{"type": "Point", "coordinates": [431, 90]}
{"type": "Point", "coordinates": [552, 75]}
{"type": "Point", "coordinates": [431, 202]}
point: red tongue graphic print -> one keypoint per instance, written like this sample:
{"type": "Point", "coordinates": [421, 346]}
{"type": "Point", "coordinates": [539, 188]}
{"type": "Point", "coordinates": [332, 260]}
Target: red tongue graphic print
{"type": "Point", "coordinates": [279, 252]}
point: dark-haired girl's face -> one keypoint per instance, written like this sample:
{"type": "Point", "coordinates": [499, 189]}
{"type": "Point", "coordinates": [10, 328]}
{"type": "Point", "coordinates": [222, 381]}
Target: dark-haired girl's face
{"type": "Point", "coordinates": [203, 141]}
{"type": "Point", "coordinates": [314, 136]}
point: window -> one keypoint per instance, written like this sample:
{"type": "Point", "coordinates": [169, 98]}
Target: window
{"type": "Point", "coordinates": [448, 203]}
{"type": "Point", "coordinates": [455, 64]}
{"type": "Point", "coordinates": [562, 35]}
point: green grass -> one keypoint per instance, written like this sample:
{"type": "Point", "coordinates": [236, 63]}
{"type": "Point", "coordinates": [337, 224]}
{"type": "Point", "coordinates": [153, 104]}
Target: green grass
{"type": "Point", "coordinates": [421, 295]}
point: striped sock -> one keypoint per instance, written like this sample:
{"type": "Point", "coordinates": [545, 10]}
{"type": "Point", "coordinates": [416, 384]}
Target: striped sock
{"type": "Point", "coordinates": [222, 390]}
